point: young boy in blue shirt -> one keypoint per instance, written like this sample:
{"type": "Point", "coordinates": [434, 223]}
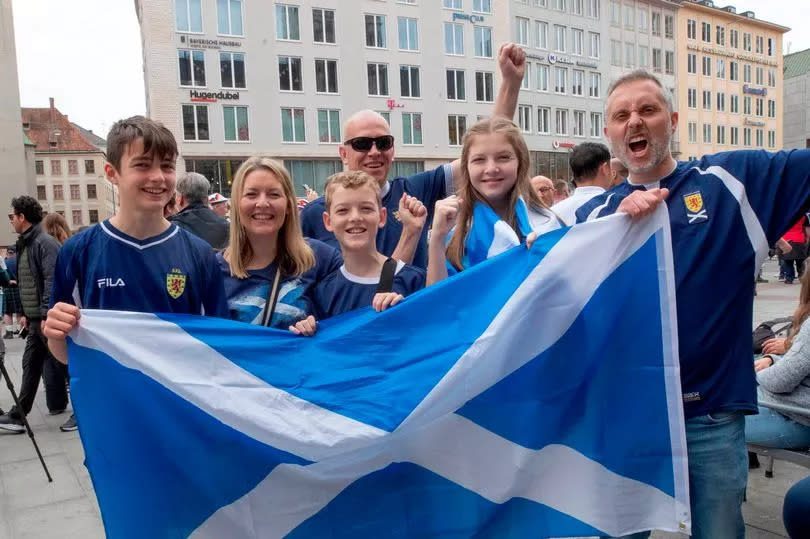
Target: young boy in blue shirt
{"type": "Point", "coordinates": [354, 213]}
{"type": "Point", "coordinates": [136, 260]}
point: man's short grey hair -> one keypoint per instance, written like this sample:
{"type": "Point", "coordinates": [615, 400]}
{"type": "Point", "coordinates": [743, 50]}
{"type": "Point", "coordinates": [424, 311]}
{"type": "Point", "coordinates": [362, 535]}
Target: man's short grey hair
{"type": "Point", "coordinates": [193, 187]}
{"type": "Point", "coordinates": [641, 74]}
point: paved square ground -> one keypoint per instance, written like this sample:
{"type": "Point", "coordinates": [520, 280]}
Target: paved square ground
{"type": "Point", "coordinates": [31, 508]}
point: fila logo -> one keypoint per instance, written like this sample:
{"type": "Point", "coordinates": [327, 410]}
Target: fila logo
{"type": "Point", "coordinates": [108, 282]}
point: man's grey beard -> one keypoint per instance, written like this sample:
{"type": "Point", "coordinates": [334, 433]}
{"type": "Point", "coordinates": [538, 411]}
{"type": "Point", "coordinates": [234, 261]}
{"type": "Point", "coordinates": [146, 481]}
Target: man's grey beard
{"type": "Point", "coordinates": [658, 153]}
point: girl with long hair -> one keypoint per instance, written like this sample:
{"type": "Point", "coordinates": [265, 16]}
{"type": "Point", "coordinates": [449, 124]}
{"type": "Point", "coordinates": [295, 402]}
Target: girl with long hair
{"type": "Point", "coordinates": [55, 225]}
{"type": "Point", "coordinates": [785, 379]}
{"type": "Point", "coordinates": [494, 208]}
{"type": "Point", "coordinates": [268, 265]}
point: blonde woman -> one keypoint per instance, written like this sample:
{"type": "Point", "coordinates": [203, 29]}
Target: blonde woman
{"type": "Point", "coordinates": [268, 266]}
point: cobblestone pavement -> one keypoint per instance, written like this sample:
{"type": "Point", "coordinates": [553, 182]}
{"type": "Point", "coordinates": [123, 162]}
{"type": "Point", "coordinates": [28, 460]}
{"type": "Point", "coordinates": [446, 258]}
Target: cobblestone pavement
{"type": "Point", "coordinates": [31, 508]}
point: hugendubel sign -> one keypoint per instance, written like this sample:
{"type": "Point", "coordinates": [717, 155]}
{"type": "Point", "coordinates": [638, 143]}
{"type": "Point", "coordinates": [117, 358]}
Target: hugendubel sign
{"type": "Point", "coordinates": [211, 97]}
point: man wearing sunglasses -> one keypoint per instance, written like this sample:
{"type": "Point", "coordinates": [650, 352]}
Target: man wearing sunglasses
{"type": "Point", "coordinates": [369, 146]}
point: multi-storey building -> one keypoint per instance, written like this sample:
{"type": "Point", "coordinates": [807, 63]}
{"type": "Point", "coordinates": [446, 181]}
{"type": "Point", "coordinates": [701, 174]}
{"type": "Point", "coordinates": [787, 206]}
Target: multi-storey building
{"type": "Point", "coordinates": [730, 73]}
{"type": "Point", "coordinates": [17, 170]}
{"type": "Point", "coordinates": [232, 78]}
{"type": "Point", "coordinates": [796, 120]}
{"type": "Point", "coordinates": [69, 168]}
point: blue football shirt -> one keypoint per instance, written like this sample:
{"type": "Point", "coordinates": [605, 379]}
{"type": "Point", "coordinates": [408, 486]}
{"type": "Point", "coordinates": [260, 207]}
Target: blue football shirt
{"type": "Point", "coordinates": [247, 297]}
{"type": "Point", "coordinates": [342, 291]}
{"type": "Point", "coordinates": [428, 187]}
{"type": "Point", "coordinates": [725, 209]}
{"type": "Point", "coordinates": [173, 272]}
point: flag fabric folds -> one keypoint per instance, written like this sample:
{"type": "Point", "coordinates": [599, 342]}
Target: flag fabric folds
{"type": "Point", "coordinates": [534, 395]}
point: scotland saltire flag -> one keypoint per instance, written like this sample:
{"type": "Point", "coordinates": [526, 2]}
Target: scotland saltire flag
{"type": "Point", "coordinates": [534, 395]}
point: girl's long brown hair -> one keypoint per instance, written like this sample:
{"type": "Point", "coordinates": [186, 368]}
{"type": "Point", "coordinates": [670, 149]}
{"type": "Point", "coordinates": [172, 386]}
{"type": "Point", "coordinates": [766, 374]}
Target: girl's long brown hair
{"type": "Point", "coordinates": [468, 194]}
{"type": "Point", "coordinates": [294, 255]}
{"type": "Point", "coordinates": [56, 226]}
{"type": "Point", "coordinates": [802, 311]}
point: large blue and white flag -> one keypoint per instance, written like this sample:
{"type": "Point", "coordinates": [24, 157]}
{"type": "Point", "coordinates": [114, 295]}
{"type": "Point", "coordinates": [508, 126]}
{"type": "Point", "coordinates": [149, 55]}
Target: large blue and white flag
{"type": "Point", "coordinates": [534, 395]}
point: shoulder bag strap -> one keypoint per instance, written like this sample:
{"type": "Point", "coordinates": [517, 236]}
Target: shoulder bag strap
{"type": "Point", "coordinates": [272, 299]}
{"type": "Point", "coordinates": [387, 276]}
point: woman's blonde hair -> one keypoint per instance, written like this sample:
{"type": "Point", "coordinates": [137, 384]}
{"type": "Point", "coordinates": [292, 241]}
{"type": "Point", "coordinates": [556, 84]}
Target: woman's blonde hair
{"type": "Point", "coordinates": [56, 225]}
{"type": "Point", "coordinates": [293, 254]}
{"type": "Point", "coordinates": [468, 194]}
{"type": "Point", "coordinates": [802, 311]}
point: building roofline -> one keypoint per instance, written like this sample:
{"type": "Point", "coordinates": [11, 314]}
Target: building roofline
{"type": "Point", "coordinates": [739, 16]}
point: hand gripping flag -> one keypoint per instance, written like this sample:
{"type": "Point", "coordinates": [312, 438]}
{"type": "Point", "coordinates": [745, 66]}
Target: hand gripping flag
{"type": "Point", "coordinates": [534, 395]}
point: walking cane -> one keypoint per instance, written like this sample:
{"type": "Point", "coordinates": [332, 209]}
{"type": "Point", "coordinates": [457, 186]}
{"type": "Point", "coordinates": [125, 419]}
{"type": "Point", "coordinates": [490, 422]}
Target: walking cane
{"type": "Point", "coordinates": [20, 409]}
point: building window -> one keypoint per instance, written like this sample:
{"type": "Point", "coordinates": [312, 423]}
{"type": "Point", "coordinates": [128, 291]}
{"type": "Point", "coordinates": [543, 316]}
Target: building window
{"type": "Point", "coordinates": [771, 138]}
{"type": "Point", "coordinates": [377, 79]}
{"type": "Point", "coordinates": [89, 166]}
{"type": "Point", "coordinates": [483, 41]}
{"type": "Point", "coordinates": [287, 23]}
{"type": "Point", "coordinates": [734, 38]}
{"type": "Point", "coordinates": [629, 17]}
{"type": "Point", "coordinates": [93, 214]}
{"type": "Point", "coordinates": [692, 132]}
{"type": "Point", "coordinates": [771, 108]}
{"type": "Point", "coordinates": [596, 46]}
{"type": "Point", "coordinates": [655, 23]}
{"type": "Point", "coordinates": [544, 120]}
{"type": "Point", "coordinates": [40, 167]}
{"type": "Point", "coordinates": [760, 106]}
{"type": "Point", "coordinates": [615, 52]}
{"type": "Point", "coordinates": [707, 66]}
{"type": "Point", "coordinates": [691, 98]}
{"type": "Point", "coordinates": [734, 105]}
{"type": "Point", "coordinates": [326, 77]}
{"type": "Point", "coordinates": [746, 72]}
{"type": "Point", "coordinates": [772, 77]}
{"type": "Point", "coordinates": [721, 68]}
{"type": "Point", "coordinates": [577, 39]}
{"type": "Point", "coordinates": [770, 46]}
{"type": "Point", "coordinates": [56, 167]}
{"type": "Point", "coordinates": [236, 124]}
{"type": "Point", "coordinates": [691, 29]}
{"type": "Point", "coordinates": [733, 71]}
{"type": "Point", "coordinates": [669, 62]}
{"type": "Point", "coordinates": [411, 128]}
{"type": "Point", "coordinates": [73, 167]}
{"type": "Point", "coordinates": [525, 118]}
{"type": "Point", "coordinates": [542, 77]}
{"type": "Point", "coordinates": [292, 125]}
{"type": "Point", "coordinates": [760, 76]}
{"type": "Point", "coordinates": [75, 191]}
{"type": "Point", "coordinates": [720, 35]}
{"type": "Point", "coordinates": [579, 124]}
{"type": "Point", "coordinates": [721, 102]}
{"type": "Point", "coordinates": [408, 34]}
{"type": "Point", "coordinates": [615, 13]}
{"type": "Point", "coordinates": [188, 15]}
{"type": "Point", "coordinates": [192, 67]}
{"type": "Point", "coordinates": [669, 26]}
{"type": "Point", "coordinates": [409, 81]}
{"type": "Point", "coordinates": [229, 17]}
{"type": "Point", "coordinates": [328, 126]}
{"type": "Point", "coordinates": [760, 45]}
{"type": "Point", "coordinates": [457, 126]}
{"type": "Point", "coordinates": [375, 31]}
{"type": "Point", "coordinates": [735, 136]}
{"type": "Point", "coordinates": [41, 192]}
{"type": "Point", "coordinates": [559, 38]}
{"type": "Point", "coordinates": [232, 69]}
{"type": "Point", "coordinates": [455, 85]}
{"type": "Point", "coordinates": [77, 217]}
{"type": "Point", "coordinates": [707, 99]}
{"type": "Point", "coordinates": [577, 82]}
{"type": "Point", "coordinates": [561, 117]}
{"type": "Point", "coordinates": [453, 38]}
{"type": "Point", "coordinates": [195, 122]}
{"type": "Point", "coordinates": [643, 56]}
{"type": "Point", "coordinates": [594, 88]}
{"type": "Point", "coordinates": [691, 63]}
{"type": "Point", "coordinates": [452, 4]}
{"type": "Point", "coordinates": [521, 31]}
{"type": "Point", "coordinates": [484, 87]}
{"type": "Point", "coordinates": [323, 26]}
{"type": "Point", "coordinates": [58, 192]}
{"type": "Point", "coordinates": [481, 6]}
{"type": "Point", "coordinates": [289, 74]}
{"type": "Point", "coordinates": [526, 83]}
{"type": "Point", "coordinates": [578, 7]}
{"type": "Point", "coordinates": [706, 32]}
{"type": "Point", "coordinates": [592, 8]}
{"type": "Point", "coordinates": [656, 57]}
{"type": "Point", "coordinates": [747, 42]}
{"type": "Point", "coordinates": [760, 136]}
{"type": "Point", "coordinates": [707, 133]}
{"type": "Point", "coordinates": [747, 105]}
{"type": "Point", "coordinates": [721, 134]}
{"type": "Point", "coordinates": [560, 79]}
{"type": "Point", "coordinates": [596, 125]}
{"type": "Point", "coordinates": [91, 191]}
{"type": "Point", "coordinates": [747, 136]}
{"type": "Point", "coordinates": [643, 20]}
{"type": "Point", "coordinates": [541, 34]}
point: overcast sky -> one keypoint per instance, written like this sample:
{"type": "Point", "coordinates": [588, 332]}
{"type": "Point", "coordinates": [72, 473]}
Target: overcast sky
{"type": "Point", "coordinates": [87, 53]}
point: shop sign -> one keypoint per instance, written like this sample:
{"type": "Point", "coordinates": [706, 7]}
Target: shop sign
{"type": "Point", "coordinates": [557, 144]}
{"type": "Point", "coordinates": [756, 91]}
{"type": "Point", "coordinates": [755, 123]}
{"type": "Point", "coordinates": [392, 104]}
{"type": "Point", "coordinates": [197, 96]}
{"type": "Point", "coordinates": [467, 17]}
{"type": "Point", "coordinates": [205, 43]}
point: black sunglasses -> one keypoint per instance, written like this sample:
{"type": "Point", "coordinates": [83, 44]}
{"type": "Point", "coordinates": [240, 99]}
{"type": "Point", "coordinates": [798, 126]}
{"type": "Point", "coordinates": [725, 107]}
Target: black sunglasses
{"type": "Point", "coordinates": [363, 144]}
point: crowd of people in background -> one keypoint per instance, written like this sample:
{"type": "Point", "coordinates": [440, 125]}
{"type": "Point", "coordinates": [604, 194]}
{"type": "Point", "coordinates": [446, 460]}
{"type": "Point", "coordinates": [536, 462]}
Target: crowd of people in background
{"type": "Point", "coordinates": [371, 241]}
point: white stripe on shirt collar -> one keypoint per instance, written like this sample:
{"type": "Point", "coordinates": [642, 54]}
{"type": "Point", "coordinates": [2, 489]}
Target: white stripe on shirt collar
{"type": "Point", "coordinates": [136, 245]}
{"type": "Point", "coordinates": [367, 280]}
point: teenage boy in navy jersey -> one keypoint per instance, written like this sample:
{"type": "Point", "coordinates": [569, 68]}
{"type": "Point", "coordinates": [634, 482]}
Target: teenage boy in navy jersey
{"type": "Point", "coordinates": [724, 210]}
{"type": "Point", "coordinates": [369, 146]}
{"type": "Point", "coordinates": [354, 213]}
{"type": "Point", "coordinates": [136, 260]}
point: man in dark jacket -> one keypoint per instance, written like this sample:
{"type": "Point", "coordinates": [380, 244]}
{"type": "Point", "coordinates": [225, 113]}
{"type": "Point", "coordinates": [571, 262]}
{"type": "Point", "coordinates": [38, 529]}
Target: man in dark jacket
{"type": "Point", "coordinates": [195, 215]}
{"type": "Point", "coordinates": [36, 257]}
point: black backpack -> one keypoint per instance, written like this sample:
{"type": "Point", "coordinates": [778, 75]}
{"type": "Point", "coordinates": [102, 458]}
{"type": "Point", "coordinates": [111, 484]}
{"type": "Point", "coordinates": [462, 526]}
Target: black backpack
{"type": "Point", "coordinates": [768, 330]}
